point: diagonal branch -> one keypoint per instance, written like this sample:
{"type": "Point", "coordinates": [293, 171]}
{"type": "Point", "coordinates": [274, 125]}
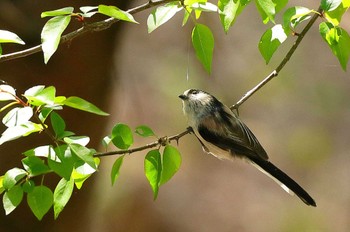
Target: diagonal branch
{"type": "Point", "coordinates": [275, 72]}
{"type": "Point", "coordinates": [93, 27]}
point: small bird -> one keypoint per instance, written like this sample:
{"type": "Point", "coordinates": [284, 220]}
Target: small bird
{"type": "Point", "coordinates": [225, 136]}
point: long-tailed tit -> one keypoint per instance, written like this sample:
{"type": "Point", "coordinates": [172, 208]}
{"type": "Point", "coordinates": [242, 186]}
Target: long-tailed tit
{"type": "Point", "coordinates": [225, 136]}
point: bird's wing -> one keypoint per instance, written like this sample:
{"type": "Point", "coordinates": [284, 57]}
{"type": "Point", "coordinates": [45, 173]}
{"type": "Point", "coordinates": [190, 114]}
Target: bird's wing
{"type": "Point", "coordinates": [227, 132]}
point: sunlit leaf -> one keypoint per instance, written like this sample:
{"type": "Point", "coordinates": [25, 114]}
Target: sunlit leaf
{"type": "Point", "coordinates": [294, 16]}
{"type": "Point", "coordinates": [203, 43]}
{"type": "Point", "coordinates": [12, 176]}
{"type": "Point", "coordinates": [271, 40]}
{"type": "Point", "coordinates": [16, 132]}
{"type": "Point", "coordinates": [12, 198]}
{"type": "Point", "coordinates": [7, 92]}
{"type": "Point", "coordinates": [51, 34]}
{"type": "Point", "coordinates": [62, 194]}
{"type": "Point", "coordinates": [171, 163]}
{"type": "Point", "coordinates": [10, 37]}
{"type": "Point", "coordinates": [338, 40]}
{"type": "Point", "coordinates": [161, 15]}
{"type": "Point", "coordinates": [122, 136]}
{"type": "Point", "coordinates": [58, 12]}
{"type": "Point", "coordinates": [35, 166]}
{"type": "Point", "coordinates": [330, 5]}
{"type": "Point", "coordinates": [81, 104]}
{"type": "Point", "coordinates": [116, 168]}
{"type": "Point", "coordinates": [83, 153]}
{"type": "Point", "coordinates": [144, 131]}
{"type": "Point", "coordinates": [153, 170]}
{"type": "Point", "coordinates": [115, 12]}
{"type": "Point", "coordinates": [229, 10]}
{"type": "Point", "coordinates": [17, 116]}
{"type": "Point", "coordinates": [336, 15]}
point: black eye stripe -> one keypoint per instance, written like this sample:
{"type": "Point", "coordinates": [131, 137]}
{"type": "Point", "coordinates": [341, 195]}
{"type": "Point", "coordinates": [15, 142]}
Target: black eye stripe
{"type": "Point", "coordinates": [194, 91]}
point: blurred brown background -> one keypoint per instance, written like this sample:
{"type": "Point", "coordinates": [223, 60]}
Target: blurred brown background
{"type": "Point", "coordinates": [302, 118]}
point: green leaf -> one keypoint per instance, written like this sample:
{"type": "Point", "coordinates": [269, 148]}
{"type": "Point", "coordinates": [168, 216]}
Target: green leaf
{"type": "Point", "coordinates": [271, 40]}
{"type": "Point", "coordinates": [7, 92]}
{"type": "Point", "coordinates": [40, 201]}
{"type": "Point", "coordinates": [106, 141]}
{"type": "Point", "coordinates": [16, 132]}
{"type": "Point", "coordinates": [116, 168]}
{"type": "Point", "coordinates": [122, 136]}
{"type": "Point", "coordinates": [338, 40]}
{"type": "Point", "coordinates": [336, 15]}
{"type": "Point", "coordinates": [58, 12]}
{"type": "Point", "coordinates": [229, 10]}
{"type": "Point", "coordinates": [117, 13]}
{"type": "Point", "coordinates": [28, 186]}
{"type": "Point", "coordinates": [12, 198]}
{"type": "Point", "coordinates": [161, 15]}
{"type": "Point", "coordinates": [35, 166]}
{"type": "Point", "coordinates": [58, 124]}
{"type": "Point", "coordinates": [203, 43]}
{"type": "Point", "coordinates": [330, 5]}
{"type": "Point", "coordinates": [10, 37]}
{"type": "Point", "coordinates": [294, 16]}
{"type": "Point", "coordinates": [42, 151]}
{"type": "Point", "coordinates": [144, 131]}
{"type": "Point", "coordinates": [39, 95]}
{"type": "Point", "coordinates": [62, 194]}
{"type": "Point", "coordinates": [81, 173]}
{"type": "Point", "coordinates": [266, 9]}
{"type": "Point", "coordinates": [12, 176]}
{"type": "Point", "coordinates": [17, 116]}
{"type": "Point", "coordinates": [65, 163]}
{"type": "Point", "coordinates": [204, 6]}
{"type": "Point", "coordinates": [51, 34]}
{"type": "Point", "coordinates": [2, 189]}
{"type": "Point", "coordinates": [153, 170]}
{"type": "Point", "coordinates": [81, 104]}
{"type": "Point", "coordinates": [171, 163]}
{"type": "Point", "coordinates": [81, 140]}
{"type": "Point", "coordinates": [83, 153]}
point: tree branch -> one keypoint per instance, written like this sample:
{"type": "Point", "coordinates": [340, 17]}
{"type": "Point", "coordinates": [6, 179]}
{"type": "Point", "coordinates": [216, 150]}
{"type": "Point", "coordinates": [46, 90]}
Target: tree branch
{"type": "Point", "coordinates": [275, 72]}
{"type": "Point", "coordinates": [93, 27]}
{"type": "Point", "coordinates": [160, 142]}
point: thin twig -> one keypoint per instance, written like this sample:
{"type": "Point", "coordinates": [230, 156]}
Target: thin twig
{"type": "Point", "coordinates": [93, 27]}
{"type": "Point", "coordinates": [160, 142]}
{"type": "Point", "coordinates": [275, 72]}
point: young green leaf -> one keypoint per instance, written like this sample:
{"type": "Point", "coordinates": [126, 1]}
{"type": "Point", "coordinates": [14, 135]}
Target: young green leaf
{"type": "Point", "coordinates": [106, 141]}
{"type": "Point", "coordinates": [10, 37]}
{"type": "Point", "coordinates": [58, 12]}
{"type": "Point", "coordinates": [7, 92]}
{"type": "Point", "coordinates": [153, 170]}
{"type": "Point", "coordinates": [12, 176]}
{"type": "Point", "coordinates": [81, 104]}
{"type": "Point", "coordinates": [12, 198]}
{"type": "Point", "coordinates": [271, 40]}
{"type": "Point", "coordinates": [336, 15]}
{"type": "Point", "coordinates": [144, 131]}
{"type": "Point", "coordinates": [82, 172]}
{"type": "Point", "coordinates": [161, 15]}
{"type": "Point", "coordinates": [61, 195]}
{"type": "Point", "coordinates": [266, 9]}
{"type": "Point", "coordinates": [229, 10]}
{"type": "Point", "coordinates": [64, 164]}
{"type": "Point", "coordinates": [83, 153]}
{"type": "Point", "coordinates": [39, 95]}
{"type": "Point", "coordinates": [171, 163]}
{"type": "Point", "coordinates": [28, 186]}
{"type": "Point", "coordinates": [2, 189]}
{"type": "Point", "coordinates": [294, 16]}
{"type": "Point", "coordinates": [338, 40]}
{"type": "Point", "coordinates": [35, 166]}
{"type": "Point", "coordinates": [204, 6]}
{"type": "Point", "coordinates": [122, 136]}
{"type": "Point", "coordinates": [17, 116]}
{"type": "Point", "coordinates": [330, 5]}
{"type": "Point", "coordinates": [117, 13]}
{"type": "Point", "coordinates": [116, 168]}
{"type": "Point", "coordinates": [81, 140]}
{"type": "Point", "coordinates": [58, 124]}
{"type": "Point", "coordinates": [203, 43]}
{"type": "Point", "coordinates": [51, 34]}
{"type": "Point", "coordinates": [40, 201]}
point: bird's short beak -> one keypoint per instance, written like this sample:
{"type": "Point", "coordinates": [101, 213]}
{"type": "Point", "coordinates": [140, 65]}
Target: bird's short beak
{"type": "Point", "coordinates": [183, 97]}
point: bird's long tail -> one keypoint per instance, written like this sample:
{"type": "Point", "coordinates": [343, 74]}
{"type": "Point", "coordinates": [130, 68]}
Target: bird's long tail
{"type": "Point", "coordinates": [283, 180]}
